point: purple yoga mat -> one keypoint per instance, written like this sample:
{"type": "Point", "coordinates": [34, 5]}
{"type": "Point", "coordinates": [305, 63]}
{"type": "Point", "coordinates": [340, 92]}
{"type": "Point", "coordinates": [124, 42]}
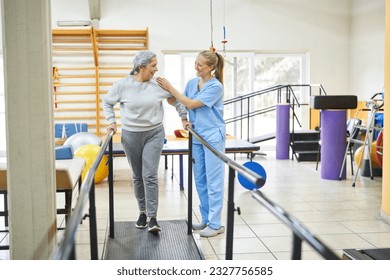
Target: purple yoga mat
{"type": "Point", "coordinates": [333, 137]}
{"type": "Point", "coordinates": [282, 131]}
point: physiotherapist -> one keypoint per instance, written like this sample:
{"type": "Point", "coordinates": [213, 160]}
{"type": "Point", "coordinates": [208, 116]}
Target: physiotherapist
{"type": "Point", "coordinates": [203, 97]}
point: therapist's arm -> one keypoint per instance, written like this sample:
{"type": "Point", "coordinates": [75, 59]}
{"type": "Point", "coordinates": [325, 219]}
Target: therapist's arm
{"type": "Point", "coordinates": [188, 102]}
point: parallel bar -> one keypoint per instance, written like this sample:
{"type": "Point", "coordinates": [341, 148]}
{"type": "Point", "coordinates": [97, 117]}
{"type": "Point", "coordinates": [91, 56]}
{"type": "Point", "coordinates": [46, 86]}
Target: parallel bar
{"type": "Point", "coordinates": [230, 217]}
{"type": "Point", "coordinates": [189, 187]}
{"type": "Point", "coordinates": [298, 229]}
{"type": "Point", "coordinates": [92, 223]}
{"type": "Point", "coordinates": [111, 189]}
{"type": "Point", "coordinates": [65, 248]}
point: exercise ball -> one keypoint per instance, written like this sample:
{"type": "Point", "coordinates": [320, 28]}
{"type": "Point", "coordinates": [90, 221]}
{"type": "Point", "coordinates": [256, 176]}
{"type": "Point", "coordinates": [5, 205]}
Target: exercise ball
{"type": "Point", "coordinates": [258, 169]}
{"type": "Point", "coordinates": [82, 138]}
{"type": "Point", "coordinates": [374, 160]}
{"type": "Point", "coordinates": [89, 153]}
{"type": "Point", "coordinates": [379, 148]}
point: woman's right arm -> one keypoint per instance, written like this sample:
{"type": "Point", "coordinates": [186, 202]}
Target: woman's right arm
{"type": "Point", "coordinates": [109, 101]}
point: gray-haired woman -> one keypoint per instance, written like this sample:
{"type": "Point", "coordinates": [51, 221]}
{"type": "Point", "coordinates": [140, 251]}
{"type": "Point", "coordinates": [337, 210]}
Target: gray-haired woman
{"type": "Point", "coordinates": [141, 110]}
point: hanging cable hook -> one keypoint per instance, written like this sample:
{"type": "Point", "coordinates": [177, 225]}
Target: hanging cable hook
{"type": "Point", "coordinates": [211, 26]}
{"type": "Point", "coordinates": [224, 41]}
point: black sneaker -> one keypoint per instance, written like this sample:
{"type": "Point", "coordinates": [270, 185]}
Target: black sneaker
{"type": "Point", "coordinates": [141, 223]}
{"type": "Point", "coordinates": [153, 225]}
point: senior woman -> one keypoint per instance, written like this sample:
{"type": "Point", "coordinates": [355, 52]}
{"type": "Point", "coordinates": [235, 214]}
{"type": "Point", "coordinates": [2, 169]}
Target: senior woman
{"type": "Point", "coordinates": [141, 109]}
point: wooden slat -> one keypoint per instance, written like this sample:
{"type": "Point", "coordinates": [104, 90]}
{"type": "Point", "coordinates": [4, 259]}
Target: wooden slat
{"type": "Point", "coordinates": [76, 76]}
{"type": "Point", "coordinates": [75, 68]}
{"type": "Point", "coordinates": [72, 49]}
{"type": "Point", "coordinates": [115, 68]}
{"type": "Point", "coordinates": [74, 109]}
{"type": "Point", "coordinates": [73, 101]}
{"type": "Point", "coordinates": [102, 75]}
{"type": "Point", "coordinates": [74, 93]}
{"type": "Point", "coordinates": [122, 41]}
{"type": "Point", "coordinates": [116, 117]}
{"type": "Point", "coordinates": [106, 83]}
{"type": "Point", "coordinates": [106, 124]}
{"type": "Point", "coordinates": [71, 32]}
{"type": "Point", "coordinates": [114, 33]}
{"type": "Point", "coordinates": [115, 108]}
{"type": "Point", "coordinates": [122, 48]}
{"type": "Point", "coordinates": [75, 118]}
{"type": "Point", "coordinates": [73, 84]}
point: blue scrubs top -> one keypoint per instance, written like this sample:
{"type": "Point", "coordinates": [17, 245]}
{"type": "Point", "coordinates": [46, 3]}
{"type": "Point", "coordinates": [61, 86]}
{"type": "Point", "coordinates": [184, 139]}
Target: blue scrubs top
{"type": "Point", "coordinates": [207, 120]}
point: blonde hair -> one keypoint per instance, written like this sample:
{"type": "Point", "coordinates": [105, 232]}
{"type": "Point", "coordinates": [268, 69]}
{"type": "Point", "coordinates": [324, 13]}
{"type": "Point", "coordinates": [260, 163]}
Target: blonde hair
{"type": "Point", "coordinates": [214, 59]}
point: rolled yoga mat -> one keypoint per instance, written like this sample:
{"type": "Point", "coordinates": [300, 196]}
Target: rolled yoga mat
{"type": "Point", "coordinates": [333, 143]}
{"type": "Point", "coordinates": [282, 131]}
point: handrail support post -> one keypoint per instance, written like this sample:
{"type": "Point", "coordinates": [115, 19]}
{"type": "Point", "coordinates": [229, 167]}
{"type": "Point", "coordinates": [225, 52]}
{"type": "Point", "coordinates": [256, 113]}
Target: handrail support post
{"type": "Point", "coordinates": [230, 216]}
{"type": "Point", "coordinates": [111, 189]}
{"type": "Point", "coordinates": [92, 223]}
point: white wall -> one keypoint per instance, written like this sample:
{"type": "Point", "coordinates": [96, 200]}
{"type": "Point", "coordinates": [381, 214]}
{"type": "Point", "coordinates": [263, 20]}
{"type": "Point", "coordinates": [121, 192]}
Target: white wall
{"type": "Point", "coordinates": [367, 47]}
{"type": "Point", "coordinates": [322, 29]}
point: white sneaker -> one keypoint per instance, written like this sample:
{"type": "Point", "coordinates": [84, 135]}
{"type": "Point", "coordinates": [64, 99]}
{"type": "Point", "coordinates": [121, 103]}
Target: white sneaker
{"type": "Point", "coordinates": [198, 226]}
{"type": "Point", "coordinates": [209, 232]}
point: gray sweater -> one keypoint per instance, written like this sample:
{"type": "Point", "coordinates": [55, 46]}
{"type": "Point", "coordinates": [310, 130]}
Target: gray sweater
{"type": "Point", "coordinates": [141, 104]}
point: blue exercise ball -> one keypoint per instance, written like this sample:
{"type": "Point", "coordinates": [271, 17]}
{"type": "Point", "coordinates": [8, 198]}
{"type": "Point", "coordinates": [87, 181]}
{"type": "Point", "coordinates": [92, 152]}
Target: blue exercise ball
{"type": "Point", "coordinates": [83, 138]}
{"type": "Point", "coordinates": [258, 169]}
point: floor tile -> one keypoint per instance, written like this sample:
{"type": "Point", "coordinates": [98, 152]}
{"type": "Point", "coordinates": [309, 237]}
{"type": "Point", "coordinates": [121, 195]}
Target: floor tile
{"type": "Point", "coordinates": [341, 216]}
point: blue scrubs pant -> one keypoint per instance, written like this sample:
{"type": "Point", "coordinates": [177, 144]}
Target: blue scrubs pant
{"type": "Point", "coordinates": [209, 178]}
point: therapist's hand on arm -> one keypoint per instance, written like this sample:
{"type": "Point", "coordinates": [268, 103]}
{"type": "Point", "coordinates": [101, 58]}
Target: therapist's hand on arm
{"type": "Point", "coordinates": [188, 102]}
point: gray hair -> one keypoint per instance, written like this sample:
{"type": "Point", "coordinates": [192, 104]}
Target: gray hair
{"type": "Point", "coordinates": [142, 58]}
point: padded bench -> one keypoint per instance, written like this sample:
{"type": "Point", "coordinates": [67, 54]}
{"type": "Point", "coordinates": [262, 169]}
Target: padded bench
{"type": "Point", "coordinates": [68, 176]}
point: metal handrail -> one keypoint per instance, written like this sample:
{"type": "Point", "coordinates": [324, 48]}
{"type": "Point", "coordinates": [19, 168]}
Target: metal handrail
{"type": "Point", "coordinates": [278, 90]}
{"type": "Point", "coordinates": [249, 174]}
{"type": "Point", "coordinates": [255, 93]}
{"type": "Point", "coordinates": [300, 231]}
{"type": "Point", "coordinates": [65, 248]}
{"type": "Point", "coordinates": [233, 167]}
{"type": "Point", "coordinates": [273, 88]}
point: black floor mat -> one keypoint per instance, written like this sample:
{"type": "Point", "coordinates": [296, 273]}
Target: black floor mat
{"type": "Point", "coordinates": [172, 243]}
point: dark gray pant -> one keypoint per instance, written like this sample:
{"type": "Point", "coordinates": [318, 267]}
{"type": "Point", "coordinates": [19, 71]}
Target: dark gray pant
{"type": "Point", "coordinates": [143, 151]}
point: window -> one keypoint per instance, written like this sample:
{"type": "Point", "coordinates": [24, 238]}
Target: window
{"type": "Point", "coordinates": [245, 72]}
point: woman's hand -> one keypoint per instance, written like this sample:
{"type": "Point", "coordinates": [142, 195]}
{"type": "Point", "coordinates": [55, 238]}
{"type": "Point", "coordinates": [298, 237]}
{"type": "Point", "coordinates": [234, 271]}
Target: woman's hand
{"type": "Point", "coordinates": [186, 124]}
{"type": "Point", "coordinates": [164, 83]}
{"type": "Point", "coordinates": [171, 100]}
{"type": "Point", "coordinates": [112, 127]}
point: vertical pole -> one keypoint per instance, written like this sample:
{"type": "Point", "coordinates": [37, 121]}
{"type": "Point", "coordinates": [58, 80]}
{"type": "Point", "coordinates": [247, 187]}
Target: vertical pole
{"type": "Point", "coordinates": [111, 189]}
{"type": "Point", "coordinates": [92, 223]}
{"type": "Point", "coordinates": [189, 188]}
{"type": "Point", "coordinates": [248, 119]}
{"type": "Point", "coordinates": [297, 248]}
{"type": "Point", "coordinates": [181, 172]}
{"type": "Point", "coordinates": [230, 216]}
